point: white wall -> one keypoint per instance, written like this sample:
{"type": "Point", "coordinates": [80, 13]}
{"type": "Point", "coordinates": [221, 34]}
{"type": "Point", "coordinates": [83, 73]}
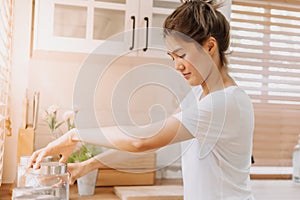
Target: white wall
{"type": "Point", "coordinates": [53, 76]}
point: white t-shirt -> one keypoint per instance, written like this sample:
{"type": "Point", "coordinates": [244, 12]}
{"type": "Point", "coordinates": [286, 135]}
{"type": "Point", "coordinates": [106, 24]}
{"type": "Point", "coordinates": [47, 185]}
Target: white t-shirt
{"type": "Point", "coordinates": [216, 163]}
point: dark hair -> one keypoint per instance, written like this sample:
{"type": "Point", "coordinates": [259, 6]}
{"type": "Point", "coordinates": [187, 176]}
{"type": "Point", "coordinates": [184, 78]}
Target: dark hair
{"type": "Point", "coordinates": [199, 20]}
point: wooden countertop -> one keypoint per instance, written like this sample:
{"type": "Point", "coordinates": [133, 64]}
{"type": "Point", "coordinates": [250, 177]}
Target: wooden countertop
{"type": "Point", "coordinates": [106, 193]}
{"type": "Point", "coordinates": [262, 189]}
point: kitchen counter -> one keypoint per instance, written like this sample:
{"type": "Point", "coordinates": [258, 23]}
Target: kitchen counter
{"type": "Point", "coordinates": [105, 193]}
{"type": "Point", "coordinates": [262, 189]}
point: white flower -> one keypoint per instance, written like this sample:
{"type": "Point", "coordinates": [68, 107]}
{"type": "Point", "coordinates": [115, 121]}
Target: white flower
{"type": "Point", "coordinates": [69, 118]}
{"type": "Point", "coordinates": [52, 109]}
{"type": "Point", "coordinates": [45, 116]}
{"type": "Point", "coordinates": [88, 154]}
{"type": "Point", "coordinates": [50, 116]}
{"type": "Point", "coordinates": [69, 115]}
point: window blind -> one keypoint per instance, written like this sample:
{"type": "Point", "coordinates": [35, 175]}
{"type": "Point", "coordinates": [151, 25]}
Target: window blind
{"type": "Point", "coordinates": [5, 65]}
{"type": "Point", "coordinates": [265, 61]}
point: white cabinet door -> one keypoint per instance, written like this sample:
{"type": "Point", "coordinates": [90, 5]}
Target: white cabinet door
{"type": "Point", "coordinates": [156, 11]}
{"type": "Point", "coordinates": [82, 25]}
{"type": "Point", "coordinates": [161, 9]}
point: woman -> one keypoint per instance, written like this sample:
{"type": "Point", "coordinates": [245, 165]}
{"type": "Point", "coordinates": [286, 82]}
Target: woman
{"type": "Point", "coordinates": [216, 132]}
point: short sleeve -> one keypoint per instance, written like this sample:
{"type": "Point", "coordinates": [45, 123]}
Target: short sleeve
{"type": "Point", "coordinates": [205, 121]}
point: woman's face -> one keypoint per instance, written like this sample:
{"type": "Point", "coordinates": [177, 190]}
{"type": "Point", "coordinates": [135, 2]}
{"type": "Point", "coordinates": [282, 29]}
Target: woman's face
{"type": "Point", "coordinates": [191, 60]}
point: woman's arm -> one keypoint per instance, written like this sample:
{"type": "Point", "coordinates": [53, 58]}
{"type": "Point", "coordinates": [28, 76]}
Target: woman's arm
{"type": "Point", "coordinates": [111, 158]}
{"type": "Point", "coordinates": [136, 139]}
{"type": "Point", "coordinates": [131, 139]}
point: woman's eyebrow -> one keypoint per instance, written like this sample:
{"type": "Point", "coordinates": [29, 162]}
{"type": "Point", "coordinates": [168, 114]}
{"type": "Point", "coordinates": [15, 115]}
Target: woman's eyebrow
{"type": "Point", "coordinates": [176, 50]}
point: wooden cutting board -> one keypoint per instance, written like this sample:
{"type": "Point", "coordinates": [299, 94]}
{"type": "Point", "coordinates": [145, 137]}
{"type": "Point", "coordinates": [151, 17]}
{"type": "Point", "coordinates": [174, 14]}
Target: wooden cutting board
{"type": "Point", "coordinates": [159, 192]}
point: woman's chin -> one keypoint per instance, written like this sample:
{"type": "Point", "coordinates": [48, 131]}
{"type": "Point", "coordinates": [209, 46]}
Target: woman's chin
{"type": "Point", "coordinates": [193, 82]}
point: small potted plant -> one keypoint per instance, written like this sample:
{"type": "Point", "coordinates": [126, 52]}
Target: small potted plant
{"type": "Point", "coordinates": [86, 184]}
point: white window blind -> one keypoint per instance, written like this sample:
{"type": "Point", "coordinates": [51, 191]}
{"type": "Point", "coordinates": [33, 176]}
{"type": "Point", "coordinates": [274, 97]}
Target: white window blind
{"type": "Point", "coordinates": [265, 61]}
{"type": "Point", "coordinates": [5, 65]}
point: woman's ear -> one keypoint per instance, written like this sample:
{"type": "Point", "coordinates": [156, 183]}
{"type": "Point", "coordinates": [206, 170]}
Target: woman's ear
{"type": "Point", "coordinates": [210, 45]}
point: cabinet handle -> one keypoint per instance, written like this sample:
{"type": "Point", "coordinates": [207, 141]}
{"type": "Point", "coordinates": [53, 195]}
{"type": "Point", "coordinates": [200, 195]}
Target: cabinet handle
{"type": "Point", "coordinates": [133, 32]}
{"type": "Point", "coordinates": [147, 31]}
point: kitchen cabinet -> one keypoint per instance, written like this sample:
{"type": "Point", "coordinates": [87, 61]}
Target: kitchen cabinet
{"type": "Point", "coordinates": [83, 25]}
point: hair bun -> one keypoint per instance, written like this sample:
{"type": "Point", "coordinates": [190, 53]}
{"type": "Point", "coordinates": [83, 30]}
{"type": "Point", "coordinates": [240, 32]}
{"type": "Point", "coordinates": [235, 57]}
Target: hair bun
{"type": "Point", "coordinates": [211, 3]}
{"type": "Point", "coordinates": [200, 1]}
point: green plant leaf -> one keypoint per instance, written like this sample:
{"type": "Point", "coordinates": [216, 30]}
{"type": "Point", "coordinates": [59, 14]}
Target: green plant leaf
{"type": "Point", "coordinates": [86, 152]}
{"type": "Point", "coordinates": [59, 124]}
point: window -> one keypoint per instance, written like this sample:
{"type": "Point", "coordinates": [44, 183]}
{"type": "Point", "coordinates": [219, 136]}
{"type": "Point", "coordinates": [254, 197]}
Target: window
{"type": "Point", "coordinates": [265, 61]}
{"type": "Point", "coordinates": [5, 64]}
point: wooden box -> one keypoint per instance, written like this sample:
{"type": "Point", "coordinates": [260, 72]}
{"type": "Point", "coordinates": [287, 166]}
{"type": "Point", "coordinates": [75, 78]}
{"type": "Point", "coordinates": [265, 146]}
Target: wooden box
{"type": "Point", "coordinates": [139, 171]}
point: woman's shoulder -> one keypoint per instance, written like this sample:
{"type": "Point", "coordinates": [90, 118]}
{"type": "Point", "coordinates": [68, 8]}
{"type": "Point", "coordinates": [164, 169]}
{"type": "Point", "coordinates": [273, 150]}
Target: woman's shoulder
{"type": "Point", "coordinates": [236, 93]}
{"type": "Point", "coordinates": [229, 96]}
{"type": "Point", "coordinates": [237, 97]}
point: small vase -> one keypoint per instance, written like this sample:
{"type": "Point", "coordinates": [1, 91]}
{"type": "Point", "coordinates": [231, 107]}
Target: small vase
{"type": "Point", "coordinates": [55, 134]}
{"type": "Point", "coordinates": [86, 184]}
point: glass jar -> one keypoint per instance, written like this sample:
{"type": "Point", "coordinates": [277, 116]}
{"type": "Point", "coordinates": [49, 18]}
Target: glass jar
{"type": "Point", "coordinates": [50, 175]}
{"type": "Point", "coordinates": [23, 168]}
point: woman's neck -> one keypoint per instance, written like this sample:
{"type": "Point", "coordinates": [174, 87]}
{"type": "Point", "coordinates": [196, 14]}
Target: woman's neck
{"type": "Point", "coordinates": [217, 80]}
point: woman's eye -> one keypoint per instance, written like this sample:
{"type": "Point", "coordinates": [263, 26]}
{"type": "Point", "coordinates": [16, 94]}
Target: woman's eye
{"type": "Point", "coordinates": [171, 56]}
{"type": "Point", "coordinates": [182, 56]}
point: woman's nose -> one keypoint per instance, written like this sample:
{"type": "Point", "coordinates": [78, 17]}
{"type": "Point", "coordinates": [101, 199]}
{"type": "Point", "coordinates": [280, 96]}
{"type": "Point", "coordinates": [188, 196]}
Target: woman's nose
{"type": "Point", "coordinates": [179, 66]}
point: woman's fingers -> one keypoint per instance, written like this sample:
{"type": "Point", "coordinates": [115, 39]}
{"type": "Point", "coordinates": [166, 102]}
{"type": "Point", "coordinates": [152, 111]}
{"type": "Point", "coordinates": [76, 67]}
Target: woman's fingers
{"type": "Point", "coordinates": [72, 179]}
{"type": "Point", "coordinates": [63, 158]}
{"type": "Point", "coordinates": [34, 158]}
{"type": "Point", "coordinates": [73, 170]}
{"type": "Point", "coordinates": [63, 146]}
{"type": "Point", "coordinates": [42, 154]}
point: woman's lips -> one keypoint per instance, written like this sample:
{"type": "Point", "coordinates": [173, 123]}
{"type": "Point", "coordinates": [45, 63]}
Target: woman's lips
{"type": "Point", "coordinates": [186, 75]}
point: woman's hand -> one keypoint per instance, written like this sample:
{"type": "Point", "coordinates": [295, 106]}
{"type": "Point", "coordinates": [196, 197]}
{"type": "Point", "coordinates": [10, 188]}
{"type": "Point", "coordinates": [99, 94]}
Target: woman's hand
{"type": "Point", "coordinates": [79, 169]}
{"type": "Point", "coordinates": [76, 170]}
{"type": "Point", "coordinates": [62, 146]}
